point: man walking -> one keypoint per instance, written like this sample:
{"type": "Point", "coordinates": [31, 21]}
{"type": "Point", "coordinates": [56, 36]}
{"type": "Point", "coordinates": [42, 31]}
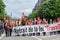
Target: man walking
{"type": "Point", "coordinates": [8, 28]}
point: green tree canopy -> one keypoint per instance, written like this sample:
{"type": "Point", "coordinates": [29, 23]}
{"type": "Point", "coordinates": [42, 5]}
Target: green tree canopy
{"type": "Point", "coordinates": [2, 10]}
{"type": "Point", "coordinates": [49, 9]}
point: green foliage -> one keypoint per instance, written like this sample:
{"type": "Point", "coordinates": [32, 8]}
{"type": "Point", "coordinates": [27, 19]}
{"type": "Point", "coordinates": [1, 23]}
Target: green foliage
{"type": "Point", "coordinates": [2, 10]}
{"type": "Point", "coordinates": [32, 15]}
{"type": "Point", "coordinates": [48, 9]}
{"type": "Point", "coordinates": [8, 17]}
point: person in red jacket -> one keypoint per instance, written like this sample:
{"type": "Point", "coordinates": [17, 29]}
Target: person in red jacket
{"type": "Point", "coordinates": [28, 22]}
{"type": "Point", "coordinates": [8, 28]}
{"type": "Point", "coordinates": [38, 21]}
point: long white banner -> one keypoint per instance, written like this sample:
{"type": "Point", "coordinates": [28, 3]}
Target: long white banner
{"type": "Point", "coordinates": [37, 28]}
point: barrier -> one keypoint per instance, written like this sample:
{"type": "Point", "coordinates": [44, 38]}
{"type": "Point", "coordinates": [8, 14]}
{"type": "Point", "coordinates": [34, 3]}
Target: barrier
{"type": "Point", "coordinates": [37, 28]}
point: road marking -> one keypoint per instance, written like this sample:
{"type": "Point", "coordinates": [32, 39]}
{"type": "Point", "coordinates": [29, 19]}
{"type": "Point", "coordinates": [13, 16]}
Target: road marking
{"type": "Point", "coordinates": [43, 37]}
{"type": "Point", "coordinates": [36, 37]}
{"type": "Point", "coordinates": [48, 36]}
{"type": "Point", "coordinates": [2, 36]}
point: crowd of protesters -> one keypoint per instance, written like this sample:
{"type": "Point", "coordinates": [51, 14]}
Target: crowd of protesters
{"type": "Point", "coordinates": [35, 21]}
{"type": "Point", "coordinates": [7, 25]}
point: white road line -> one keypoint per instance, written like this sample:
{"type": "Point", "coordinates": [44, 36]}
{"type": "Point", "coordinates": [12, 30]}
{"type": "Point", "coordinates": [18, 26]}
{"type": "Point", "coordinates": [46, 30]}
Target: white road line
{"type": "Point", "coordinates": [43, 37]}
{"type": "Point", "coordinates": [2, 36]}
{"type": "Point", "coordinates": [48, 36]}
{"type": "Point", "coordinates": [36, 37]}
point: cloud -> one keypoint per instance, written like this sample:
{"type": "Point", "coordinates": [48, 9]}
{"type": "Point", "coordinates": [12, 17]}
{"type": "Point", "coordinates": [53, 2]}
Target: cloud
{"type": "Point", "coordinates": [26, 10]}
{"type": "Point", "coordinates": [16, 7]}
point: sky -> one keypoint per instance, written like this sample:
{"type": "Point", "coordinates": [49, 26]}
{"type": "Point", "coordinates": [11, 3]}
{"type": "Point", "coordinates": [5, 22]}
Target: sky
{"type": "Point", "coordinates": [16, 7]}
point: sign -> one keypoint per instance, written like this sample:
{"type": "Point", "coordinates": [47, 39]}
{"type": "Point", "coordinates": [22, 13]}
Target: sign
{"type": "Point", "coordinates": [37, 28]}
{"type": "Point", "coordinates": [53, 27]}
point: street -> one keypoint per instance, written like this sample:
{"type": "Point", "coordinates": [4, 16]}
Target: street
{"type": "Point", "coordinates": [30, 19]}
{"type": "Point", "coordinates": [47, 37]}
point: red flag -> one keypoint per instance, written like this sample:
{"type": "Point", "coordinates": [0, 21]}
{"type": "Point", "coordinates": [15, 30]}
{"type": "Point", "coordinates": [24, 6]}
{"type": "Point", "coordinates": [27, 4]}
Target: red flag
{"type": "Point", "coordinates": [23, 17]}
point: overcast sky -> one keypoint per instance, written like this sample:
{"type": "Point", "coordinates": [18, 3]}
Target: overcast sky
{"type": "Point", "coordinates": [16, 7]}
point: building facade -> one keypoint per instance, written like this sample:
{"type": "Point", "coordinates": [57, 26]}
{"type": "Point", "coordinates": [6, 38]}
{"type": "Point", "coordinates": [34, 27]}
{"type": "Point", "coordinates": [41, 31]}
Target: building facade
{"type": "Point", "coordinates": [38, 4]}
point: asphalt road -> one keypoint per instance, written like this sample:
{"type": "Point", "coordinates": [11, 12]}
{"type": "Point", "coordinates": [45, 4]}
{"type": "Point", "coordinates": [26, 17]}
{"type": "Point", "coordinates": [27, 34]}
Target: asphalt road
{"type": "Point", "coordinates": [47, 37]}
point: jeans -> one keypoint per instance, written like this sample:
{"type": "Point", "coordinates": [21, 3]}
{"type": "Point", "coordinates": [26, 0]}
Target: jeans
{"type": "Point", "coordinates": [8, 32]}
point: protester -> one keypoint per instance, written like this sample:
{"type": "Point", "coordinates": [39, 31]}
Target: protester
{"type": "Point", "coordinates": [16, 22]}
{"type": "Point", "coordinates": [28, 22]}
{"type": "Point", "coordinates": [51, 21]}
{"type": "Point", "coordinates": [23, 22]}
{"type": "Point", "coordinates": [39, 21]}
{"type": "Point", "coordinates": [5, 26]}
{"type": "Point", "coordinates": [2, 23]}
{"type": "Point", "coordinates": [20, 23]}
{"type": "Point", "coordinates": [13, 23]}
{"type": "Point", "coordinates": [54, 21]}
{"type": "Point", "coordinates": [58, 20]}
{"type": "Point", "coordinates": [8, 28]}
{"type": "Point", "coordinates": [34, 21]}
{"type": "Point", "coordinates": [44, 21]}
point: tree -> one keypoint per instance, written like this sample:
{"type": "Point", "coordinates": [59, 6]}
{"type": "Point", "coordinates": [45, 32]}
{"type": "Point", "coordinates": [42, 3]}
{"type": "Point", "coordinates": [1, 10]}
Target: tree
{"type": "Point", "coordinates": [50, 9]}
{"type": "Point", "coordinates": [32, 15]}
{"type": "Point", "coordinates": [2, 10]}
{"type": "Point", "coordinates": [47, 9]}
